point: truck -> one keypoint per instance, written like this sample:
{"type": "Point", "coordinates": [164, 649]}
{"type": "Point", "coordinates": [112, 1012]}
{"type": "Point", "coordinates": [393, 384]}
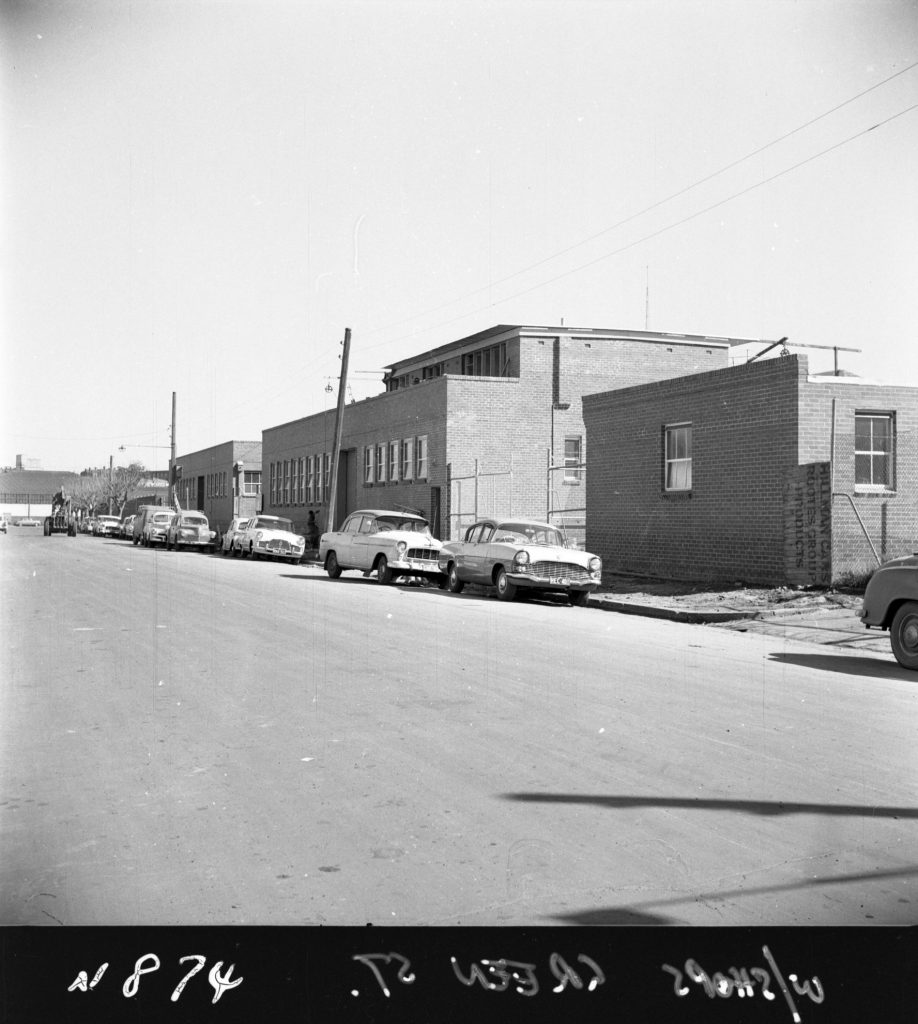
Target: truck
{"type": "Point", "coordinates": [62, 519]}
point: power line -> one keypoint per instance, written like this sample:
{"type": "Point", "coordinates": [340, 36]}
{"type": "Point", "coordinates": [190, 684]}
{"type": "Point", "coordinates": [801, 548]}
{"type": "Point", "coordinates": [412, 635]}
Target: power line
{"type": "Point", "coordinates": [645, 210]}
{"type": "Point", "coordinates": [668, 227]}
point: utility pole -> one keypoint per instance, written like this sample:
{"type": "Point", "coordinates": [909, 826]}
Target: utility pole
{"type": "Point", "coordinates": [172, 453]}
{"type": "Point", "coordinates": [339, 426]}
{"type": "Point", "coordinates": [111, 463]}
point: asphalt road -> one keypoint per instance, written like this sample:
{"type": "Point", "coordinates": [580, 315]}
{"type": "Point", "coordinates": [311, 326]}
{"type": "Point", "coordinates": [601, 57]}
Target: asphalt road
{"type": "Point", "coordinates": [188, 739]}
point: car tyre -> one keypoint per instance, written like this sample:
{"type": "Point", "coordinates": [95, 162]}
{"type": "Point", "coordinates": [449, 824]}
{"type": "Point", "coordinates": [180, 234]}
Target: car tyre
{"type": "Point", "coordinates": [903, 635]}
{"type": "Point", "coordinates": [331, 565]}
{"type": "Point", "coordinates": [578, 598]}
{"type": "Point", "coordinates": [383, 572]}
{"type": "Point", "coordinates": [506, 591]}
{"type": "Point", "coordinates": [453, 584]}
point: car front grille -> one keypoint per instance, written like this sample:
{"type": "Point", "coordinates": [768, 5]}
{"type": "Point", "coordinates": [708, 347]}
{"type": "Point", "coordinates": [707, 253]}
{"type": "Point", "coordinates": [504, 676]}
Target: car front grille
{"type": "Point", "coordinates": [422, 554]}
{"type": "Point", "coordinates": [555, 571]}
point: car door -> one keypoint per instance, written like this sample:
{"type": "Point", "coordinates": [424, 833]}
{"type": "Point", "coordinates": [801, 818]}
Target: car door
{"type": "Point", "coordinates": [478, 564]}
{"type": "Point", "coordinates": [363, 544]}
{"type": "Point", "coordinates": [343, 542]}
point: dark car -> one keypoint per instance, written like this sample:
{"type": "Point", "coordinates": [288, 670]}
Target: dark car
{"type": "Point", "coordinates": [891, 602]}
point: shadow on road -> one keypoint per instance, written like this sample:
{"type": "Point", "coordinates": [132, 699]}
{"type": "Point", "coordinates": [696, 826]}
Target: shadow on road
{"type": "Point", "coordinates": [639, 913]}
{"type": "Point", "coordinates": [876, 667]}
{"type": "Point", "coordinates": [764, 808]}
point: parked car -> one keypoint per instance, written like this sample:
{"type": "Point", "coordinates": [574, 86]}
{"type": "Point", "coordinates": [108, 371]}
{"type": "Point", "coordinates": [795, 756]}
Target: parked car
{"type": "Point", "coordinates": [271, 537]}
{"type": "Point", "coordinates": [231, 541]}
{"type": "Point", "coordinates": [106, 526]}
{"type": "Point", "coordinates": [190, 530]}
{"type": "Point", "coordinates": [28, 522]}
{"type": "Point", "coordinates": [155, 528]}
{"type": "Point", "coordinates": [391, 544]}
{"type": "Point", "coordinates": [142, 517]}
{"type": "Point", "coordinates": [891, 602]}
{"type": "Point", "coordinates": [515, 554]}
{"type": "Point", "coordinates": [127, 527]}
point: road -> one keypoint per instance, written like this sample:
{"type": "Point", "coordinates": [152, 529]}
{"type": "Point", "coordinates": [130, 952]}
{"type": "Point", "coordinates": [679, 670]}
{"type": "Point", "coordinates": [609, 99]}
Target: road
{"type": "Point", "coordinates": [189, 739]}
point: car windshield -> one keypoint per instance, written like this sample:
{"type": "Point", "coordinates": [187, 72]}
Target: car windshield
{"type": "Point", "coordinates": [162, 517]}
{"type": "Point", "coordinates": [386, 523]}
{"type": "Point", "coordinates": [273, 524]}
{"type": "Point", "coordinates": [194, 521]}
{"type": "Point", "coordinates": [109, 519]}
{"type": "Point", "coordinates": [529, 533]}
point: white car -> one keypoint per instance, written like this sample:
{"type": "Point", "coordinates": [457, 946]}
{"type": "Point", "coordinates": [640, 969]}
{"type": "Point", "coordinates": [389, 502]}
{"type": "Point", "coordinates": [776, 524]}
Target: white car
{"type": "Point", "coordinates": [511, 555]}
{"type": "Point", "coordinates": [127, 527]}
{"type": "Point", "coordinates": [271, 537]}
{"type": "Point", "coordinates": [230, 543]}
{"type": "Point", "coordinates": [383, 541]}
{"type": "Point", "coordinates": [107, 526]}
{"type": "Point", "coordinates": [190, 530]}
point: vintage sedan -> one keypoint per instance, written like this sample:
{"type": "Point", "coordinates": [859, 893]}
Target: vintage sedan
{"type": "Point", "coordinates": [891, 602]}
{"type": "Point", "coordinates": [155, 528]}
{"type": "Point", "coordinates": [520, 554]}
{"type": "Point", "coordinates": [389, 543]}
{"type": "Point", "coordinates": [189, 530]}
{"type": "Point", "coordinates": [107, 526]}
{"type": "Point", "coordinates": [230, 542]}
{"type": "Point", "coordinates": [127, 527]}
{"type": "Point", "coordinates": [271, 537]}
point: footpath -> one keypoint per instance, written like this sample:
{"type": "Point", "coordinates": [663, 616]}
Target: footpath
{"type": "Point", "coordinates": [823, 617]}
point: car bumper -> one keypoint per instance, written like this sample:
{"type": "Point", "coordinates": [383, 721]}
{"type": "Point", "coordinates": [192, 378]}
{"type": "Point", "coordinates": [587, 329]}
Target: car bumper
{"type": "Point", "coordinates": [547, 583]}
{"type": "Point", "coordinates": [279, 549]}
{"type": "Point", "coordinates": [416, 567]}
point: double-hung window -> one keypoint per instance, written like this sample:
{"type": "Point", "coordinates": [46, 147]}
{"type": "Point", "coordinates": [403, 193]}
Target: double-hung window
{"type": "Point", "coordinates": [573, 456]}
{"type": "Point", "coordinates": [393, 462]}
{"type": "Point", "coordinates": [874, 437]}
{"type": "Point", "coordinates": [310, 480]}
{"type": "Point", "coordinates": [678, 457]}
{"type": "Point", "coordinates": [422, 457]}
{"type": "Point", "coordinates": [380, 463]}
{"type": "Point", "coordinates": [368, 465]}
{"type": "Point", "coordinates": [408, 459]}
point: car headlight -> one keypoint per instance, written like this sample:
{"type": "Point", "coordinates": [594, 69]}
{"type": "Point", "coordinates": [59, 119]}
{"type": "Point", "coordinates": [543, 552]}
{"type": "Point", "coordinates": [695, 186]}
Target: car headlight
{"type": "Point", "coordinates": [595, 565]}
{"type": "Point", "coordinates": [259, 535]}
{"type": "Point", "coordinates": [301, 540]}
{"type": "Point", "coordinates": [521, 558]}
{"type": "Point", "coordinates": [402, 548]}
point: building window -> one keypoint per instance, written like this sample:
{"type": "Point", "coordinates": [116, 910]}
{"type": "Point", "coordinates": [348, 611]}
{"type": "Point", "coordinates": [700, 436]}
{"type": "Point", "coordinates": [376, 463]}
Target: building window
{"type": "Point", "coordinates": [422, 457]}
{"type": "Point", "coordinates": [573, 457]}
{"type": "Point", "coordinates": [326, 475]}
{"type": "Point", "coordinates": [251, 483]}
{"type": "Point", "coordinates": [486, 362]}
{"type": "Point", "coordinates": [310, 480]}
{"type": "Point", "coordinates": [380, 463]}
{"type": "Point", "coordinates": [874, 435]}
{"type": "Point", "coordinates": [368, 465]}
{"type": "Point", "coordinates": [679, 457]}
{"type": "Point", "coordinates": [407, 472]}
{"type": "Point", "coordinates": [393, 462]}
{"type": "Point", "coordinates": [273, 483]}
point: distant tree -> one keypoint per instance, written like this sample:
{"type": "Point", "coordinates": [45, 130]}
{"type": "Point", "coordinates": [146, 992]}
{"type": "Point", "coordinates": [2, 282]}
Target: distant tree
{"type": "Point", "coordinates": [124, 480]}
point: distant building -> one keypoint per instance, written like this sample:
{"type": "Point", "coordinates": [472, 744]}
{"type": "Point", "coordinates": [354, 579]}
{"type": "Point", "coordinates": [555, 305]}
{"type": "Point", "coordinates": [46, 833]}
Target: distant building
{"type": "Point", "coordinates": [28, 492]}
{"type": "Point", "coordinates": [490, 424]}
{"type": "Point", "coordinates": [757, 473]}
{"type": "Point", "coordinates": [222, 481]}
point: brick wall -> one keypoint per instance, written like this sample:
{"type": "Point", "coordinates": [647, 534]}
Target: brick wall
{"type": "Point", "coordinates": [730, 526]}
{"type": "Point", "coordinates": [887, 520]}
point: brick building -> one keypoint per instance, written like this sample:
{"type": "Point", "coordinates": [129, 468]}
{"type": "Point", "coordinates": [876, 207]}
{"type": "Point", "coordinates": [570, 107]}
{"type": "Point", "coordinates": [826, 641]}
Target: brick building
{"type": "Point", "coordinates": [221, 481]}
{"type": "Point", "coordinates": [472, 427]}
{"type": "Point", "coordinates": [757, 473]}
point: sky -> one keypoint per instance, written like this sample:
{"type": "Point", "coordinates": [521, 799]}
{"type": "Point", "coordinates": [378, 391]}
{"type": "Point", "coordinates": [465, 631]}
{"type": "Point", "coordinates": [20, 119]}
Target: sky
{"type": "Point", "coordinates": [199, 197]}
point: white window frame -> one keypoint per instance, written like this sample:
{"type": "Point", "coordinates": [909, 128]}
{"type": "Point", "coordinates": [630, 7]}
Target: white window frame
{"type": "Point", "coordinates": [421, 457]}
{"type": "Point", "coordinates": [872, 452]}
{"type": "Point", "coordinates": [573, 472]}
{"type": "Point", "coordinates": [675, 462]}
{"type": "Point", "coordinates": [381, 455]}
{"type": "Point", "coordinates": [369, 464]}
{"type": "Point", "coordinates": [326, 474]}
{"type": "Point", "coordinates": [407, 472]}
{"type": "Point", "coordinates": [393, 457]}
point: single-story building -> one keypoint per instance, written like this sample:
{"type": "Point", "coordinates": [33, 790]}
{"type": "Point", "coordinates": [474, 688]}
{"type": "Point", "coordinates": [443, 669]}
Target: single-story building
{"type": "Point", "coordinates": [759, 473]}
{"type": "Point", "coordinates": [490, 424]}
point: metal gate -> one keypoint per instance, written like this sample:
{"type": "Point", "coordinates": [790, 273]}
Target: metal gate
{"type": "Point", "coordinates": [477, 495]}
{"type": "Point", "coordinates": [566, 500]}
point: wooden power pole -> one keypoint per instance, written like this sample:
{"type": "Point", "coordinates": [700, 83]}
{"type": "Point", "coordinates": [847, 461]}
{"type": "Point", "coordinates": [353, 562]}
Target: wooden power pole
{"type": "Point", "coordinates": [339, 426]}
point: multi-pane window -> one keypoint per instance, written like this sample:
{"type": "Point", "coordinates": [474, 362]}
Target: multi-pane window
{"type": "Point", "coordinates": [407, 469]}
{"type": "Point", "coordinates": [310, 480]}
{"type": "Point", "coordinates": [273, 483]}
{"type": "Point", "coordinates": [486, 362]}
{"type": "Point", "coordinates": [286, 481]}
{"type": "Point", "coordinates": [369, 464]}
{"type": "Point", "coordinates": [251, 483]}
{"type": "Point", "coordinates": [326, 474]}
{"type": "Point", "coordinates": [422, 457]}
{"type": "Point", "coordinates": [393, 462]}
{"type": "Point", "coordinates": [380, 463]}
{"type": "Point", "coordinates": [573, 457]}
{"type": "Point", "coordinates": [873, 451]}
{"type": "Point", "coordinates": [678, 457]}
